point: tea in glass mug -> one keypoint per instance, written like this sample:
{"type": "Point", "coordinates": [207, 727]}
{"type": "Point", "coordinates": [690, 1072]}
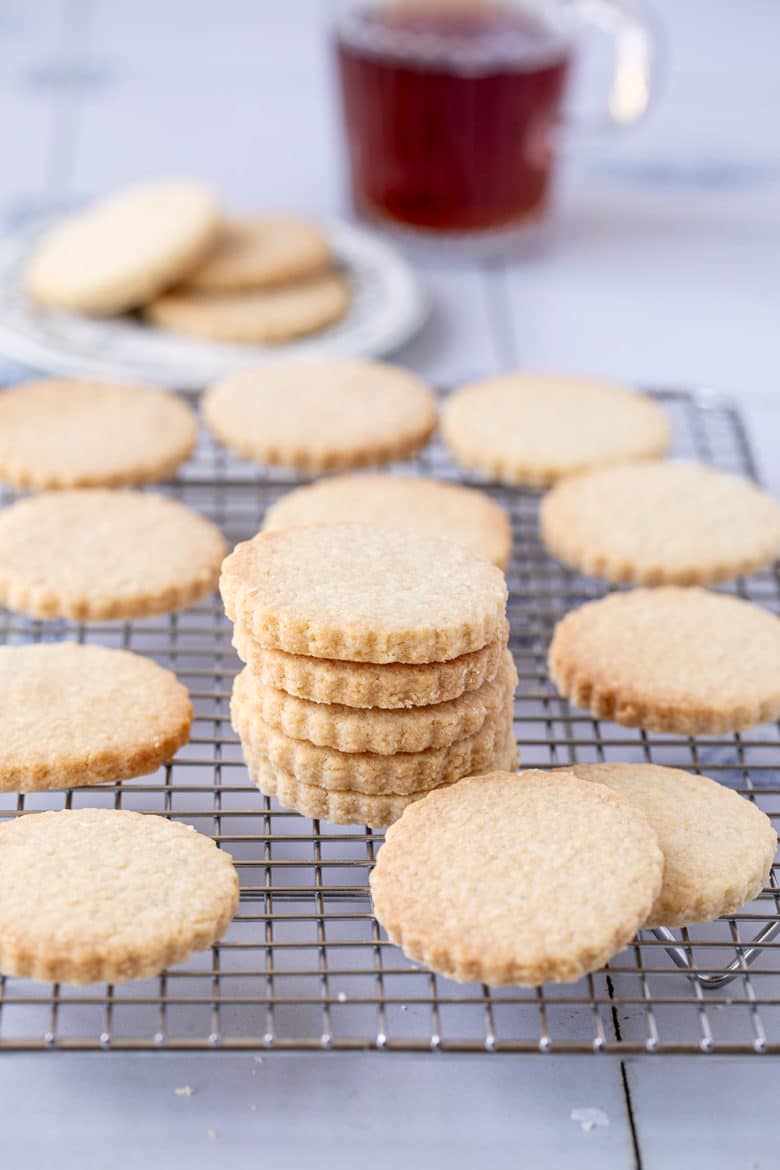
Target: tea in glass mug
{"type": "Point", "coordinates": [453, 109]}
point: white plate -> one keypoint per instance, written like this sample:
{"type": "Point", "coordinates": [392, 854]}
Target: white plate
{"type": "Point", "coordinates": [388, 307]}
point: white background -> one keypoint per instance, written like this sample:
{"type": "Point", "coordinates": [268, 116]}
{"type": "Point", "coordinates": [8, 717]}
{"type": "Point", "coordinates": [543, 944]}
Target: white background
{"type": "Point", "coordinates": [662, 268]}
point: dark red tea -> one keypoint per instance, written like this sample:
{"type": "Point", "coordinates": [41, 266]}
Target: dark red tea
{"type": "Point", "coordinates": [449, 111]}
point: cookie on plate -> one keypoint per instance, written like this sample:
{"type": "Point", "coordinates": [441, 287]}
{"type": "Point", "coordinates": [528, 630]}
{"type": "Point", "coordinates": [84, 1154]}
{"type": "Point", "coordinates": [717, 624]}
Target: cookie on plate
{"type": "Point", "coordinates": [106, 895]}
{"type": "Point", "coordinates": [718, 847]}
{"type": "Point", "coordinates": [661, 523]}
{"type": "Point", "coordinates": [484, 880]}
{"type": "Point", "coordinates": [535, 428]}
{"type": "Point", "coordinates": [364, 594]}
{"type": "Point", "coordinates": [69, 432]}
{"type": "Point", "coordinates": [266, 315]}
{"type": "Point", "coordinates": [670, 659]}
{"type": "Point", "coordinates": [399, 501]}
{"type": "Point", "coordinates": [257, 251]}
{"type": "Point", "coordinates": [96, 554]}
{"type": "Point", "coordinates": [327, 415]}
{"type": "Point", "coordinates": [125, 249]}
{"type": "Point", "coordinates": [73, 715]}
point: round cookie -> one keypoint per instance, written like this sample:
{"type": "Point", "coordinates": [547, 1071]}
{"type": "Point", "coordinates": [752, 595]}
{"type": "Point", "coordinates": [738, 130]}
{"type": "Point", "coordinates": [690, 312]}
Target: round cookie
{"type": "Point", "coordinates": [534, 428]}
{"type": "Point", "coordinates": [393, 686]}
{"type": "Point", "coordinates": [62, 432]}
{"type": "Point", "coordinates": [255, 251]}
{"type": "Point", "coordinates": [266, 316]}
{"type": "Point", "coordinates": [670, 659]}
{"type": "Point", "coordinates": [348, 808]}
{"type": "Point", "coordinates": [327, 415]}
{"type": "Point", "coordinates": [96, 555]}
{"type": "Point", "coordinates": [368, 772]}
{"type": "Point", "coordinates": [399, 501]}
{"type": "Point", "coordinates": [73, 715]}
{"type": "Point", "coordinates": [106, 895]}
{"type": "Point", "coordinates": [365, 594]}
{"type": "Point", "coordinates": [125, 249]}
{"type": "Point", "coordinates": [718, 847]}
{"type": "Point", "coordinates": [383, 732]}
{"type": "Point", "coordinates": [484, 880]}
{"type": "Point", "coordinates": [660, 523]}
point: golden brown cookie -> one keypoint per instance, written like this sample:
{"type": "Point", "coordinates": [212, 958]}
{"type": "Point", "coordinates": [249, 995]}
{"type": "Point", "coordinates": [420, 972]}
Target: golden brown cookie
{"type": "Point", "coordinates": [72, 715]}
{"type": "Point", "coordinates": [69, 432]}
{"type": "Point", "coordinates": [392, 686]}
{"type": "Point", "coordinates": [95, 555]}
{"type": "Point", "coordinates": [105, 895]}
{"type": "Point", "coordinates": [535, 428]}
{"type": "Point", "coordinates": [256, 251]}
{"type": "Point", "coordinates": [426, 505]}
{"type": "Point", "coordinates": [484, 880]}
{"type": "Point", "coordinates": [125, 249]}
{"type": "Point", "coordinates": [364, 594]}
{"type": "Point", "coordinates": [265, 315]}
{"type": "Point", "coordinates": [718, 847]}
{"type": "Point", "coordinates": [661, 523]}
{"type": "Point", "coordinates": [670, 659]}
{"type": "Point", "coordinates": [325, 415]}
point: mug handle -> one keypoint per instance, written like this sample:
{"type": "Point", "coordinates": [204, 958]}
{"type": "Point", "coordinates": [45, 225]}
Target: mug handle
{"type": "Point", "coordinates": [635, 47]}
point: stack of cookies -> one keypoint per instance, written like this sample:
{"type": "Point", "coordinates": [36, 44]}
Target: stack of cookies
{"type": "Point", "coordinates": [377, 667]}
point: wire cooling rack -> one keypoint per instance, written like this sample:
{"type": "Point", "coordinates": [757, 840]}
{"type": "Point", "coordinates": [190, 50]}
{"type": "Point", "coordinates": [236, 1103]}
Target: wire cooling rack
{"type": "Point", "coordinates": [304, 964]}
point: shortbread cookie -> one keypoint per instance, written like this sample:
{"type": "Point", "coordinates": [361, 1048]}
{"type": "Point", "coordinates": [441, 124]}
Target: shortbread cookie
{"type": "Point", "coordinates": [484, 880]}
{"type": "Point", "coordinates": [348, 808]}
{"type": "Point", "coordinates": [535, 428]}
{"type": "Point", "coordinates": [660, 523]}
{"type": "Point", "coordinates": [440, 509]}
{"type": "Point", "coordinates": [67, 432]}
{"type": "Point", "coordinates": [369, 772]}
{"type": "Point", "coordinates": [393, 686]}
{"type": "Point", "coordinates": [670, 659]}
{"type": "Point", "coordinates": [72, 715]}
{"type": "Point", "coordinates": [718, 847]}
{"type": "Point", "coordinates": [125, 249]}
{"type": "Point", "coordinates": [255, 251]}
{"type": "Point", "coordinates": [261, 315]}
{"type": "Point", "coordinates": [105, 895]}
{"type": "Point", "coordinates": [327, 415]}
{"type": "Point", "coordinates": [95, 555]}
{"type": "Point", "coordinates": [364, 594]}
{"type": "Point", "coordinates": [383, 732]}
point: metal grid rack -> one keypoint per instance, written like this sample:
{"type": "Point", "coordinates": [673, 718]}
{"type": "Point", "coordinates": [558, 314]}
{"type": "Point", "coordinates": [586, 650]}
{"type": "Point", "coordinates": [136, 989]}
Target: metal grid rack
{"type": "Point", "coordinates": [305, 965]}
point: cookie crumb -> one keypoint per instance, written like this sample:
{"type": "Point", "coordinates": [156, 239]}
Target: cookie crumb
{"type": "Point", "coordinates": [184, 1091]}
{"type": "Point", "coordinates": [342, 997]}
{"type": "Point", "coordinates": [212, 1133]}
{"type": "Point", "coordinates": [589, 1119]}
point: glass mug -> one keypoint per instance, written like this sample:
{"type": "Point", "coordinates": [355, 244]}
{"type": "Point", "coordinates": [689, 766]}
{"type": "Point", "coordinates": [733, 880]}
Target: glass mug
{"type": "Point", "coordinates": [453, 108]}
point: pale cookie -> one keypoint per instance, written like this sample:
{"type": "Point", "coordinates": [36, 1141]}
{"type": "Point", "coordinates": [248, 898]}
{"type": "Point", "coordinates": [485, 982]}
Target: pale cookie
{"type": "Point", "coordinates": [125, 249]}
{"type": "Point", "coordinates": [348, 808]}
{"type": "Point", "coordinates": [106, 895]}
{"type": "Point", "coordinates": [266, 316]}
{"type": "Point", "coordinates": [484, 880]}
{"type": "Point", "coordinates": [669, 659]}
{"type": "Point", "coordinates": [535, 428]}
{"type": "Point", "coordinates": [327, 415]}
{"type": "Point", "coordinates": [382, 732]}
{"type": "Point", "coordinates": [364, 594]}
{"type": "Point", "coordinates": [255, 251]}
{"type": "Point", "coordinates": [393, 686]}
{"type": "Point", "coordinates": [61, 433]}
{"type": "Point", "coordinates": [718, 847]}
{"type": "Point", "coordinates": [660, 523]}
{"type": "Point", "coordinates": [96, 555]}
{"type": "Point", "coordinates": [72, 715]}
{"type": "Point", "coordinates": [440, 509]}
{"type": "Point", "coordinates": [369, 772]}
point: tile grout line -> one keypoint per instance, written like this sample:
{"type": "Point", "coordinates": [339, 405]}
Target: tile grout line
{"type": "Point", "coordinates": [77, 20]}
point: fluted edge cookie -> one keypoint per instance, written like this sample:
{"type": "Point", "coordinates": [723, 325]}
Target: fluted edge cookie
{"type": "Point", "coordinates": [106, 895]}
{"type": "Point", "coordinates": [365, 594]}
{"type": "Point", "coordinates": [483, 880]}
